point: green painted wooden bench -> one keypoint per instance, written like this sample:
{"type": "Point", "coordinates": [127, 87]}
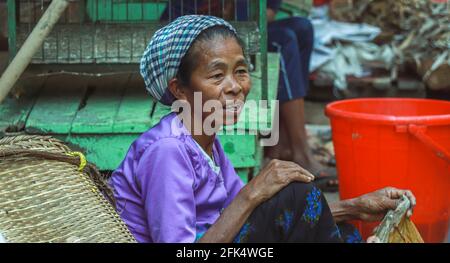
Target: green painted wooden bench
{"type": "Point", "coordinates": [102, 116]}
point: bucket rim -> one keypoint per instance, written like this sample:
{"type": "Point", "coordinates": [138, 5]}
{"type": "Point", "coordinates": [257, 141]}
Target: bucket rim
{"type": "Point", "coordinates": [430, 120]}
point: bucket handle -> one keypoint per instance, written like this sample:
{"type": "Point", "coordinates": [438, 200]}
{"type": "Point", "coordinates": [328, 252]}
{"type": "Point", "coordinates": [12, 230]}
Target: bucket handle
{"type": "Point", "coordinates": [419, 132]}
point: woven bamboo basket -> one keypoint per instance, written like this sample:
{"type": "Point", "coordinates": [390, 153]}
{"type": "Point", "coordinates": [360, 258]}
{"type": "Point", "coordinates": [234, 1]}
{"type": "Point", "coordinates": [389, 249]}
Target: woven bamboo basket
{"type": "Point", "coordinates": [50, 194]}
{"type": "Point", "coordinates": [405, 232]}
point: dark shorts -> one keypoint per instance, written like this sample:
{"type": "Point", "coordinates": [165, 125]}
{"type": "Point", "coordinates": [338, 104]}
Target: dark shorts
{"type": "Point", "coordinates": [298, 213]}
{"type": "Point", "coordinates": [293, 38]}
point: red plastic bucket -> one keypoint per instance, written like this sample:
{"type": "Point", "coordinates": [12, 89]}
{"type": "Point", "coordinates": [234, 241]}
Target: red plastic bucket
{"type": "Point", "coordinates": [404, 143]}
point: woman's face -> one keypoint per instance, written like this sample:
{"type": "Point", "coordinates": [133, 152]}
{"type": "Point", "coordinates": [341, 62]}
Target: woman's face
{"type": "Point", "coordinates": [222, 76]}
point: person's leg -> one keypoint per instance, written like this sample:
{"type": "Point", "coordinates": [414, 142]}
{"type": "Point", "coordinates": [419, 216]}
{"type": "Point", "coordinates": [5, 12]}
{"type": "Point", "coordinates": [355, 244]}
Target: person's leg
{"type": "Point", "coordinates": [298, 213]}
{"type": "Point", "coordinates": [284, 41]}
{"type": "Point", "coordinates": [304, 32]}
{"type": "Point", "coordinates": [301, 151]}
{"type": "Point", "coordinates": [277, 38]}
{"type": "Point", "coordinates": [285, 147]}
{"type": "Point", "coordinates": [282, 150]}
{"type": "Point", "coordinates": [293, 86]}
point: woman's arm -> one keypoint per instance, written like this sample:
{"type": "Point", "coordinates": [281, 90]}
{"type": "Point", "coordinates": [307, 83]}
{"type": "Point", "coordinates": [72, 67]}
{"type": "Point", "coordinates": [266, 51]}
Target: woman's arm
{"type": "Point", "coordinates": [344, 210]}
{"type": "Point", "coordinates": [370, 207]}
{"type": "Point", "coordinates": [269, 181]}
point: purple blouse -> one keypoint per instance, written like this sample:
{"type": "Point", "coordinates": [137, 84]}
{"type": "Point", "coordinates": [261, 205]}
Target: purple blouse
{"type": "Point", "coordinates": [165, 189]}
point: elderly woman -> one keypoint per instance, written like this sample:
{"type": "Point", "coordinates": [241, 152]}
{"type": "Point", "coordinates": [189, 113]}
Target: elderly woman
{"type": "Point", "coordinates": [177, 185]}
{"type": "Point", "coordinates": [293, 38]}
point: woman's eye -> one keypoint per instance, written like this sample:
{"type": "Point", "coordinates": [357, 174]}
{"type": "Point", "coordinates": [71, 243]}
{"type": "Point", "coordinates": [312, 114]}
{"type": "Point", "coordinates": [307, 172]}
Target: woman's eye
{"type": "Point", "coordinates": [242, 71]}
{"type": "Point", "coordinates": [217, 76]}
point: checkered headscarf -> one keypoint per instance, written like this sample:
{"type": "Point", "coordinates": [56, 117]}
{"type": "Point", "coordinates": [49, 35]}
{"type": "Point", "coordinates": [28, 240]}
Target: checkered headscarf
{"type": "Point", "coordinates": [167, 47]}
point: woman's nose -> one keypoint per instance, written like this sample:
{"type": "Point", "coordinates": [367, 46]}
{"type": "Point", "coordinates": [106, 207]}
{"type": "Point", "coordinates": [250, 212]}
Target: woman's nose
{"type": "Point", "coordinates": [233, 86]}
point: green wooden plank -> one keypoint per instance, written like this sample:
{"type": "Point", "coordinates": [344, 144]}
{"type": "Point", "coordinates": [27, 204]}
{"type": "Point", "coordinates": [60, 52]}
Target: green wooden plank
{"type": "Point", "coordinates": [15, 108]}
{"type": "Point", "coordinates": [273, 69]}
{"type": "Point", "coordinates": [134, 114]}
{"type": "Point", "coordinates": [238, 144]}
{"type": "Point", "coordinates": [242, 161]}
{"type": "Point", "coordinates": [106, 10]}
{"type": "Point", "coordinates": [159, 112]}
{"type": "Point", "coordinates": [101, 106]}
{"type": "Point", "coordinates": [13, 112]}
{"type": "Point", "coordinates": [56, 105]}
{"type": "Point", "coordinates": [108, 151]}
{"type": "Point", "coordinates": [259, 158]}
{"type": "Point", "coordinates": [263, 48]}
{"type": "Point", "coordinates": [243, 174]}
{"type": "Point", "coordinates": [105, 151]}
{"type": "Point", "coordinates": [98, 115]}
{"type": "Point", "coordinates": [240, 149]}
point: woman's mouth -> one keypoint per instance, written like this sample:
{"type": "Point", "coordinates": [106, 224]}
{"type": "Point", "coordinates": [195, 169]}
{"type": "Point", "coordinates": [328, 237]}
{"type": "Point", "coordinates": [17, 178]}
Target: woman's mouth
{"type": "Point", "coordinates": [233, 108]}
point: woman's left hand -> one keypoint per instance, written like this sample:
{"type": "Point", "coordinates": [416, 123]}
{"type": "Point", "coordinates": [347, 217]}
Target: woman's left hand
{"type": "Point", "coordinates": [374, 206]}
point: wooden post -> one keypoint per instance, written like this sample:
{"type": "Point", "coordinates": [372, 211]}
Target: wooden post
{"type": "Point", "coordinates": [31, 45]}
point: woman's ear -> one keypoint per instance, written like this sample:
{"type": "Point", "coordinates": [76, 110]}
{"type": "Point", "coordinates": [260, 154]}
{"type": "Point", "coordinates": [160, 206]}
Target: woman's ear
{"type": "Point", "coordinates": [177, 90]}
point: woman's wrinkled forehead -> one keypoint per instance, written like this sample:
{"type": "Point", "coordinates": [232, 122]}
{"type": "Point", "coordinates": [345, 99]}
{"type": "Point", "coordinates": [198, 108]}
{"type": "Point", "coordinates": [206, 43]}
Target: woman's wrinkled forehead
{"type": "Point", "coordinates": [215, 38]}
{"type": "Point", "coordinates": [218, 52]}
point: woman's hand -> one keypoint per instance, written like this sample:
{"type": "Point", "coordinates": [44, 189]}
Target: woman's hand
{"type": "Point", "coordinates": [374, 206]}
{"type": "Point", "coordinates": [274, 177]}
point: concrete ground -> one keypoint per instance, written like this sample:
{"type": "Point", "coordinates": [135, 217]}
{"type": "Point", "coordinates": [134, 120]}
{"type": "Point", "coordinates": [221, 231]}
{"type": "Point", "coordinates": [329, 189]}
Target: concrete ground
{"type": "Point", "coordinates": [315, 113]}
